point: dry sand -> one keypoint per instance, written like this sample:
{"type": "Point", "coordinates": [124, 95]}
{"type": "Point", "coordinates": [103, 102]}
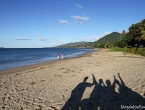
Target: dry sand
{"type": "Point", "coordinates": [59, 85]}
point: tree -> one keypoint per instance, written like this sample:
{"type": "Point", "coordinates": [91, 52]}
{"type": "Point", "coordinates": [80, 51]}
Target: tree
{"type": "Point", "coordinates": [123, 32]}
{"type": "Point", "coordinates": [136, 34]}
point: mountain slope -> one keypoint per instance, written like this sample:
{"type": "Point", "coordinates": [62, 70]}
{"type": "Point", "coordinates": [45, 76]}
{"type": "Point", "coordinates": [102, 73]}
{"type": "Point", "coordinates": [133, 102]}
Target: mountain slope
{"type": "Point", "coordinates": [110, 38]}
{"type": "Point", "coordinates": [75, 45]}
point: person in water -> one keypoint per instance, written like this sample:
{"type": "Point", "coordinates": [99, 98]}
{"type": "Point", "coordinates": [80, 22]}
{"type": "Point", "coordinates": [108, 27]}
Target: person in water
{"type": "Point", "coordinates": [58, 56]}
{"type": "Point", "coordinates": [62, 55]}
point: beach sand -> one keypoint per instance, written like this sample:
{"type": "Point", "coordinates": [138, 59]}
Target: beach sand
{"type": "Point", "coordinates": [85, 83]}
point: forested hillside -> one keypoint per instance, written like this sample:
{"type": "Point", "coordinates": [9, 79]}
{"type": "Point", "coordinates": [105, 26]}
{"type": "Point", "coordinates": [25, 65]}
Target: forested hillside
{"type": "Point", "coordinates": [108, 40]}
{"type": "Point", "coordinates": [111, 38]}
{"type": "Point", "coordinates": [76, 45]}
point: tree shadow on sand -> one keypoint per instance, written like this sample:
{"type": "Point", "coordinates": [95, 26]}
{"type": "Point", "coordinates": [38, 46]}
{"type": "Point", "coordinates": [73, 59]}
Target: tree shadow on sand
{"type": "Point", "coordinates": [104, 97]}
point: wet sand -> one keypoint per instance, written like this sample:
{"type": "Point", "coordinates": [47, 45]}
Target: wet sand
{"type": "Point", "coordinates": [98, 80]}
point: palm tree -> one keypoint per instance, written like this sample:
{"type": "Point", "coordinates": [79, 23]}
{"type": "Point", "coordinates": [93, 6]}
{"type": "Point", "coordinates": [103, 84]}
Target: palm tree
{"type": "Point", "coordinates": [123, 34]}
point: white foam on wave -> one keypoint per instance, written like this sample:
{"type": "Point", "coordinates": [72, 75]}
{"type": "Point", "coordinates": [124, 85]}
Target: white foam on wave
{"type": "Point", "coordinates": [79, 53]}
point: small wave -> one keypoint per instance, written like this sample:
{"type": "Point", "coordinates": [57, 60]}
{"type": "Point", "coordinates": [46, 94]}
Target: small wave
{"type": "Point", "coordinates": [79, 53]}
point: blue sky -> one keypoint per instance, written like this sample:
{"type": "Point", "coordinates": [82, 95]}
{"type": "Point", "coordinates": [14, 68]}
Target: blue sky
{"type": "Point", "coordinates": [47, 23]}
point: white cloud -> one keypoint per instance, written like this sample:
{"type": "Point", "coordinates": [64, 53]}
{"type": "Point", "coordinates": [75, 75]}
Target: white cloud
{"type": "Point", "coordinates": [97, 38]}
{"type": "Point", "coordinates": [83, 18]}
{"type": "Point", "coordinates": [78, 23]}
{"type": "Point", "coordinates": [22, 39]}
{"type": "Point", "coordinates": [4, 37]}
{"type": "Point", "coordinates": [83, 14]}
{"type": "Point", "coordinates": [53, 39]}
{"type": "Point", "coordinates": [94, 37]}
{"type": "Point", "coordinates": [63, 21]}
{"type": "Point", "coordinates": [79, 6]}
{"type": "Point", "coordinates": [45, 39]}
{"type": "Point", "coordinates": [41, 39]}
{"type": "Point", "coordinates": [106, 33]}
{"type": "Point", "coordinates": [90, 38]}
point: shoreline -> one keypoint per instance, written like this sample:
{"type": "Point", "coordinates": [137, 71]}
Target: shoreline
{"type": "Point", "coordinates": [103, 79]}
{"type": "Point", "coordinates": [32, 66]}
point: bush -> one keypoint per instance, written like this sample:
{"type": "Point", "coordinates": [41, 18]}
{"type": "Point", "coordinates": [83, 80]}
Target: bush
{"type": "Point", "coordinates": [121, 44]}
{"type": "Point", "coordinates": [140, 51]}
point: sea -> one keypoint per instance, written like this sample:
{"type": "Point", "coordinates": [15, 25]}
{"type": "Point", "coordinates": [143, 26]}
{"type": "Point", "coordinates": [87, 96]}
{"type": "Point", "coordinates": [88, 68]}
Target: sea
{"type": "Point", "coordinates": [17, 57]}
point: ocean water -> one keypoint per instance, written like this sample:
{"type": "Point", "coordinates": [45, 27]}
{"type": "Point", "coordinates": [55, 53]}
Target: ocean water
{"type": "Point", "coordinates": [17, 57]}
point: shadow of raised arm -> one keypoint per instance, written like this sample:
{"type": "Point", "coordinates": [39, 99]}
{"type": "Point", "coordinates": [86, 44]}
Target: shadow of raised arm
{"type": "Point", "coordinates": [94, 80]}
{"type": "Point", "coordinates": [122, 82]}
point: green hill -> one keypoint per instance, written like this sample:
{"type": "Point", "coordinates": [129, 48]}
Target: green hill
{"type": "Point", "coordinates": [75, 45]}
{"type": "Point", "coordinates": [110, 38]}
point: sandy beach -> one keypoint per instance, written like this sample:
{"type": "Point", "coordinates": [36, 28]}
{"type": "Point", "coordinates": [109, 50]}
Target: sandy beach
{"type": "Point", "coordinates": [101, 80]}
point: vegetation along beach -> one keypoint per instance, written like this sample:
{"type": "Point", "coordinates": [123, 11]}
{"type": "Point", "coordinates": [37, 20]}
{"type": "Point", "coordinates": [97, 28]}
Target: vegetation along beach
{"type": "Point", "coordinates": [72, 55]}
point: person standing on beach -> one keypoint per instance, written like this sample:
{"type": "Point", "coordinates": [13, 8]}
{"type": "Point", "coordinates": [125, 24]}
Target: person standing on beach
{"type": "Point", "coordinates": [58, 56]}
{"type": "Point", "coordinates": [62, 55]}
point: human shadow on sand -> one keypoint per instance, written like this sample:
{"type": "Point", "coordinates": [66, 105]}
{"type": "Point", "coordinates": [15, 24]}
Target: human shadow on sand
{"type": "Point", "coordinates": [105, 97]}
{"type": "Point", "coordinates": [74, 101]}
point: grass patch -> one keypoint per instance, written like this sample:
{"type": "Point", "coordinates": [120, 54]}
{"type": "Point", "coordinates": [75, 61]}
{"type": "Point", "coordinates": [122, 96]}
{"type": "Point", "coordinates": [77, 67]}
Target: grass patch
{"type": "Point", "coordinates": [140, 51]}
